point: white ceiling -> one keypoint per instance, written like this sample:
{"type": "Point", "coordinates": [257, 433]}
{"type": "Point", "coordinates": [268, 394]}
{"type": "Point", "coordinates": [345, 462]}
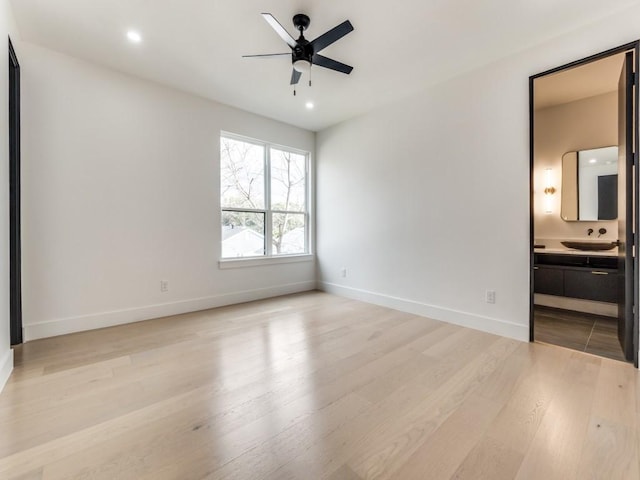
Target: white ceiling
{"type": "Point", "coordinates": [395, 49]}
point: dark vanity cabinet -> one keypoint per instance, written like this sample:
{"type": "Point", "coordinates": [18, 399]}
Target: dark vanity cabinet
{"type": "Point", "coordinates": [589, 277]}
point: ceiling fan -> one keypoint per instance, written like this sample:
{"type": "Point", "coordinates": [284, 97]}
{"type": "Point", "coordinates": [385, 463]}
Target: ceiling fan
{"type": "Point", "coordinates": [304, 53]}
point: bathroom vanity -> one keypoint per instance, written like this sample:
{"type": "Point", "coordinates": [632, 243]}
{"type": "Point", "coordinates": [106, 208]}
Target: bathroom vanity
{"type": "Point", "coordinates": [583, 275]}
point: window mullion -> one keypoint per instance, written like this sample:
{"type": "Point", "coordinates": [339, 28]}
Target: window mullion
{"type": "Point", "coordinates": [307, 205]}
{"type": "Point", "coordinates": [267, 202]}
{"type": "Point", "coordinates": [301, 212]}
{"type": "Point", "coordinates": [251, 210]}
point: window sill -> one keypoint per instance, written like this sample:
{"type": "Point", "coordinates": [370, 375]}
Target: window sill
{"type": "Point", "coordinates": [226, 263]}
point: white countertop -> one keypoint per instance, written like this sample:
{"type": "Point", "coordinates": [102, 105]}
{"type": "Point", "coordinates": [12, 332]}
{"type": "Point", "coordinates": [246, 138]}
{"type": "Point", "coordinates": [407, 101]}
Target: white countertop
{"type": "Point", "coordinates": [570, 251]}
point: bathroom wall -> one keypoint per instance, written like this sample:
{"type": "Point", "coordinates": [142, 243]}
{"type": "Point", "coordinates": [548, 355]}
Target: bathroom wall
{"type": "Point", "coordinates": [583, 124]}
{"type": "Point", "coordinates": [580, 125]}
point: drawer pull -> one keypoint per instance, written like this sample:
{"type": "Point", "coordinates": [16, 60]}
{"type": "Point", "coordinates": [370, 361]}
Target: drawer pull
{"type": "Point", "coordinates": [600, 273]}
{"type": "Point", "coordinates": [536, 268]}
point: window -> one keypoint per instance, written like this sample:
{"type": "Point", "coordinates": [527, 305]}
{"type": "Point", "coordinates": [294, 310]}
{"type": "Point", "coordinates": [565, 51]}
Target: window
{"type": "Point", "coordinates": [263, 194]}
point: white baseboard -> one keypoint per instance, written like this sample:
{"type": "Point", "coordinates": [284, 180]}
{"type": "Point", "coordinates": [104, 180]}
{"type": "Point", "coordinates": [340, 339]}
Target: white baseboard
{"type": "Point", "coordinates": [63, 326]}
{"type": "Point", "coordinates": [464, 319]}
{"type": "Point", "coordinates": [6, 366]}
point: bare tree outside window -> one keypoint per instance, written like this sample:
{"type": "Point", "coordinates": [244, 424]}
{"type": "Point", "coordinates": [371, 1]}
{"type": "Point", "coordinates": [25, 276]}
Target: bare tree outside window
{"type": "Point", "coordinates": [247, 215]}
{"type": "Point", "coordinates": [288, 192]}
{"type": "Point", "coordinates": [242, 187]}
{"type": "Point", "coordinates": [241, 174]}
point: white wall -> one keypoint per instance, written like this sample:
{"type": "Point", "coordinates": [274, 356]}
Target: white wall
{"type": "Point", "coordinates": [7, 27]}
{"type": "Point", "coordinates": [426, 202]}
{"type": "Point", "coordinates": [120, 191]}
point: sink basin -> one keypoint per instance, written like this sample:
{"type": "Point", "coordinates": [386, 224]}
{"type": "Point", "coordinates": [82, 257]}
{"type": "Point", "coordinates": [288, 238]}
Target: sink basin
{"type": "Point", "coordinates": [590, 246]}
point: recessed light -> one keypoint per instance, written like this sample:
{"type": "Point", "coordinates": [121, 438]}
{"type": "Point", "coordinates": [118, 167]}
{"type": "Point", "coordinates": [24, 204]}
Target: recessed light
{"type": "Point", "coordinates": [593, 160]}
{"type": "Point", "coordinates": [309, 105]}
{"type": "Point", "coordinates": [134, 37]}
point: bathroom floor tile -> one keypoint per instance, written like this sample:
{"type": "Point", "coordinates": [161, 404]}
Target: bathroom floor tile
{"type": "Point", "coordinates": [562, 331]}
{"type": "Point", "coordinates": [593, 334]}
{"type": "Point", "coordinates": [604, 340]}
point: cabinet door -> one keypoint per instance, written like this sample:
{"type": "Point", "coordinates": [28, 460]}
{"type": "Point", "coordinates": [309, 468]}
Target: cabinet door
{"type": "Point", "coordinates": [596, 285]}
{"type": "Point", "coordinates": [548, 281]}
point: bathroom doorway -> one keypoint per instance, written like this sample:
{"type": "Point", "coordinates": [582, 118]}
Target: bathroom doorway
{"type": "Point", "coordinates": [583, 135]}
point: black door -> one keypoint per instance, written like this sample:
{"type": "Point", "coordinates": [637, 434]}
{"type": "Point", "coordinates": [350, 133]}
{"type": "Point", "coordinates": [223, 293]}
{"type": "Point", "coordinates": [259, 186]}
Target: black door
{"type": "Point", "coordinates": [15, 274]}
{"type": "Point", "coordinates": [625, 207]}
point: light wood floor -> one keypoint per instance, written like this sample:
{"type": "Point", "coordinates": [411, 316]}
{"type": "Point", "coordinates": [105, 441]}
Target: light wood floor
{"type": "Point", "coordinates": [314, 386]}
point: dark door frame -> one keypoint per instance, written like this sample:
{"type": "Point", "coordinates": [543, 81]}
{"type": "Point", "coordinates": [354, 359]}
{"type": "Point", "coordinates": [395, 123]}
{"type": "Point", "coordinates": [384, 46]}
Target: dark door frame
{"type": "Point", "coordinates": [15, 250]}
{"type": "Point", "coordinates": [635, 46]}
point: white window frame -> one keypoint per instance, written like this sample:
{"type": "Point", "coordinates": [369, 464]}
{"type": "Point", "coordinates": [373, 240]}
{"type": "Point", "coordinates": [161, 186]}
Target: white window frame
{"type": "Point", "coordinates": [270, 257]}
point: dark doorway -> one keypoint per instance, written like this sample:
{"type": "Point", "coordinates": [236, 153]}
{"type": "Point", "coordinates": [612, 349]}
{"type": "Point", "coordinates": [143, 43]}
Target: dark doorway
{"type": "Point", "coordinates": [15, 258]}
{"type": "Point", "coordinates": [584, 272]}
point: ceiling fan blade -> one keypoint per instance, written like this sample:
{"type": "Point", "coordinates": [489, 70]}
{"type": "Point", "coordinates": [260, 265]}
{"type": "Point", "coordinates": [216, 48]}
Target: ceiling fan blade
{"type": "Point", "coordinates": [279, 29]}
{"type": "Point", "coordinates": [331, 64]}
{"type": "Point", "coordinates": [295, 76]}
{"type": "Point", "coordinates": [266, 55]}
{"type": "Point", "coordinates": [333, 35]}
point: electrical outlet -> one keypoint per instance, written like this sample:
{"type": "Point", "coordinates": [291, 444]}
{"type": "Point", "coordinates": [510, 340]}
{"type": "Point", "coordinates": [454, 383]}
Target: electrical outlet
{"type": "Point", "coordinates": [343, 272]}
{"type": "Point", "coordinates": [490, 296]}
{"type": "Point", "coordinates": [164, 285]}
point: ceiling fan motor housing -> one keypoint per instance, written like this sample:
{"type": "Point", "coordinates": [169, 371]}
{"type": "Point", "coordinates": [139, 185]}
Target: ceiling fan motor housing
{"type": "Point", "coordinates": [302, 51]}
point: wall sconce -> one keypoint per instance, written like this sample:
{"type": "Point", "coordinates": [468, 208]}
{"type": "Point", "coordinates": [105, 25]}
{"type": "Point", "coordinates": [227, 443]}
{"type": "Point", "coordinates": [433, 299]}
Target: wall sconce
{"type": "Point", "coordinates": [549, 190]}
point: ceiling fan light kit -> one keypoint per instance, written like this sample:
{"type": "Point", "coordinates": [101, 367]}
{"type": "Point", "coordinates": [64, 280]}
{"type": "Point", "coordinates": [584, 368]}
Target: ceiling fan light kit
{"type": "Point", "coordinates": [302, 66]}
{"type": "Point", "coordinates": [304, 53]}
